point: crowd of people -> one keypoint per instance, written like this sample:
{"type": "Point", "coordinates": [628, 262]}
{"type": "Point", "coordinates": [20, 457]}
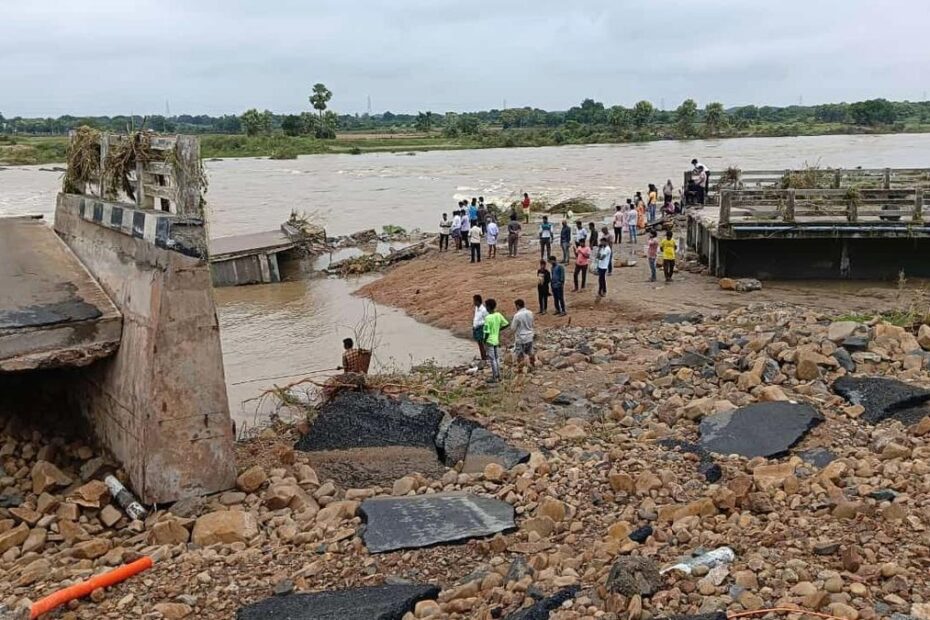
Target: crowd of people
{"type": "Point", "coordinates": [592, 249]}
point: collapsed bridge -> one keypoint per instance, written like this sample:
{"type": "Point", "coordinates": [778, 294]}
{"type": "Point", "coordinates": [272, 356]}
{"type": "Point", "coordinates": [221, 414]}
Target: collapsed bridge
{"type": "Point", "coordinates": [118, 300]}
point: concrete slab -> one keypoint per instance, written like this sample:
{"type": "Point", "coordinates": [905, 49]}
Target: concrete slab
{"type": "Point", "coordinates": [52, 312]}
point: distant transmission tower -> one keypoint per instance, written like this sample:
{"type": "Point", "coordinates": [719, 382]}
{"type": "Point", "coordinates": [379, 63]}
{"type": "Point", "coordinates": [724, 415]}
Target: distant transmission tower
{"type": "Point", "coordinates": [167, 109]}
{"type": "Point", "coordinates": [662, 104]}
{"type": "Point", "coordinates": [505, 105]}
{"type": "Point", "coordinates": [369, 105]}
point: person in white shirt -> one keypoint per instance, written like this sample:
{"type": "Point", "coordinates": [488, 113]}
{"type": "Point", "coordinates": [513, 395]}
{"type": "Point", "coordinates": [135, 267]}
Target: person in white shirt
{"type": "Point", "coordinates": [457, 230]}
{"type": "Point", "coordinates": [523, 334]}
{"type": "Point", "coordinates": [493, 230]}
{"type": "Point", "coordinates": [445, 227]}
{"type": "Point", "coordinates": [603, 263]}
{"type": "Point", "coordinates": [477, 325]}
{"type": "Point", "coordinates": [474, 241]}
{"type": "Point", "coordinates": [619, 223]}
{"type": "Point", "coordinates": [581, 233]}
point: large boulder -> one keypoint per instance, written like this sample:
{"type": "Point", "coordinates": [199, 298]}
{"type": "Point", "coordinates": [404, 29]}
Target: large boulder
{"type": "Point", "coordinates": [766, 429]}
{"type": "Point", "coordinates": [884, 398]}
{"type": "Point", "coordinates": [387, 602]}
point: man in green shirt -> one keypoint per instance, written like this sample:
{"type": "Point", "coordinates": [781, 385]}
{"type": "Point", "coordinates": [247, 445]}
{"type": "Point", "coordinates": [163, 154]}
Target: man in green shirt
{"type": "Point", "coordinates": [493, 324]}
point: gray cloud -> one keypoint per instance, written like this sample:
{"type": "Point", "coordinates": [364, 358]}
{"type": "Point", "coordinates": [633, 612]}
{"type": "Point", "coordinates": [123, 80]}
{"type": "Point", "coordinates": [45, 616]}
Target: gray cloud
{"type": "Point", "coordinates": [212, 56]}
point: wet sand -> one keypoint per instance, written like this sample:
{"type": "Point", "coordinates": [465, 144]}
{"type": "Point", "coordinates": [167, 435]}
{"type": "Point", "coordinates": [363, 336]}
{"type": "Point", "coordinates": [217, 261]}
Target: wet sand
{"type": "Point", "coordinates": [438, 288]}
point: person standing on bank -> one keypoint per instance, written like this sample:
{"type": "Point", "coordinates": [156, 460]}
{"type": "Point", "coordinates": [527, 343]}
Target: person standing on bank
{"type": "Point", "coordinates": [557, 282]}
{"type": "Point", "coordinates": [491, 236]}
{"type": "Point", "coordinates": [605, 236]}
{"type": "Point", "coordinates": [493, 324]}
{"type": "Point", "coordinates": [477, 325]}
{"type": "Point", "coordinates": [466, 227]}
{"type": "Point", "coordinates": [565, 240]}
{"type": "Point", "coordinates": [668, 248]}
{"type": "Point", "coordinates": [445, 227]}
{"type": "Point", "coordinates": [652, 198]}
{"type": "Point", "coordinates": [545, 238]}
{"type": "Point", "coordinates": [652, 253]}
{"type": "Point", "coordinates": [668, 191]}
{"type": "Point", "coordinates": [457, 230]}
{"type": "Point", "coordinates": [581, 233]}
{"type": "Point", "coordinates": [526, 207]}
{"type": "Point", "coordinates": [543, 280]}
{"type": "Point", "coordinates": [603, 262]}
{"type": "Point", "coordinates": [523, 335]}
{"type": "Point", "coordinates": [513, 235]}
{"type": "Point", "coordinates": [474, 240]}
{"type": "Point", "coordinates": [582, 260]}
{"type": "Point", "coordinates": [619, 221]}
{"type": "Point", "coordinates": [482, 216]}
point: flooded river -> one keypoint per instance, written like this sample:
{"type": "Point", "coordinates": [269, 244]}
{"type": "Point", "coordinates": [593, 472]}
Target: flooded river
{"type": "Point", "coordinates": [281, 329]}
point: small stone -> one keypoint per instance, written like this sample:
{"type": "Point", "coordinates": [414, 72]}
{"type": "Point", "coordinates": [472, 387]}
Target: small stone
{"type": "Point", "coordinates": [174, 611]}
{"type": "Point", "coordinates": [251, 479]}
{"type": "Point", "coordinates": [493, 472]}
{"type": "Point", "coordinates": [552, 508]}
{"type": "Point", "coordinates": [91, 549]}
{"type": "Point", "coordinates": [833, 585]}
{"type": "Point", "coordinates": [110, 516]}
{"type": "Point", "coordinates": [46, 476]}
{"type": "Point", "coordinates": [224, 527]}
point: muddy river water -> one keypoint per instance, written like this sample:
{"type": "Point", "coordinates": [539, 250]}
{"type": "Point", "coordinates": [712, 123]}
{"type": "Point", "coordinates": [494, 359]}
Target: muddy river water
{"type": "Point", "coordinates": [286, 329]}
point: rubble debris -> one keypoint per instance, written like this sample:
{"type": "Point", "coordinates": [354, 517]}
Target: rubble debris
{"type": "Point", "coordinates": [634, 575]}
{"type": "Point", "coordinates": [364, 420]}
{"type": "Point", "coordinates": [125, 499]}
{"type": "Point", "coordinates": [683, 317]}
{"type": "Point", "coordinates": [386, 602]}
{"type": "Point", "coordinates": [884, 398]}
{"type": "Point", "coordinates": [710, 559]}
{"type": "Point", "coordinates": [542, 608]}
{"type": "Point", "coordinates": [740, 285]}
{"type": "Point", "coordinates": [766, 429]}
{"type": "Point", "coordinates": [485, 447]}
{"type": "Point", "coordinates": [424, 520]}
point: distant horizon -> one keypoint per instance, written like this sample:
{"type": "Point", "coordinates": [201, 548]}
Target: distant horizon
{"type": "Point", "coordinates": [374, 113]}
{"type": "Point", "coordinates": [109, 57]}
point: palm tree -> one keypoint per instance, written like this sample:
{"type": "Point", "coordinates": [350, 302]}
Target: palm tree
{"type": "Point", "coordinates": [320, 96]}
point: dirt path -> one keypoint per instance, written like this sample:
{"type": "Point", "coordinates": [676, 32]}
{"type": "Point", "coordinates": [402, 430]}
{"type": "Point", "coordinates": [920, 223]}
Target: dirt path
{"type": "Point", "coordinates": [437, 289]}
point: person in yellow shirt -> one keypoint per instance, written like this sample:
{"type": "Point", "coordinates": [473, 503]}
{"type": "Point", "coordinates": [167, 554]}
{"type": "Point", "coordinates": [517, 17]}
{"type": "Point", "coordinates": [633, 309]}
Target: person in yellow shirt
{"type": "Point", "coordinates": [651, 199]}
{"type": "Point", "coordinates": [668, 247]}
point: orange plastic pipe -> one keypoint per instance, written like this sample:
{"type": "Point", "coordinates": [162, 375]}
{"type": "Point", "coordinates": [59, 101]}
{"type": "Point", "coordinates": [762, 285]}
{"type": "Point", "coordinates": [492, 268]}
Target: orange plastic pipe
{"type": "Point", "coordinates": [79, 590]}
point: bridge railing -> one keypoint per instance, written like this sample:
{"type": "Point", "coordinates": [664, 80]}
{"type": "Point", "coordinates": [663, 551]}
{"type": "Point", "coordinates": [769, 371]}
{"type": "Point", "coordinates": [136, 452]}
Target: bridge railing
{"type": "Point", "coordinates": [822, 178]}
{"type": "Point", "coordinates": [819, 206]}
{"type": "Point", "coordinates": [164, 173]}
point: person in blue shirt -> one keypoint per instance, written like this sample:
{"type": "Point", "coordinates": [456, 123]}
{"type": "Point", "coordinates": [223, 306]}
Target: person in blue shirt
{"type": "Point", "coordinates": [473, 211]}
{"type": "Point", "coordinates": [557, 284]}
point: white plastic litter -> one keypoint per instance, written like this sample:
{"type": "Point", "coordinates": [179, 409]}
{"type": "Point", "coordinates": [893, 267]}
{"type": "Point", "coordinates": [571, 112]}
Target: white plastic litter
{"type": "Point", "coordinates": [720, 555]}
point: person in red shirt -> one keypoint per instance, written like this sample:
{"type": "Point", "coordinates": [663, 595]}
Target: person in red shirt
{"type": "Point", "coordinates": [582, 259]}
{"type": "Point", "coordinates": [526, 207]}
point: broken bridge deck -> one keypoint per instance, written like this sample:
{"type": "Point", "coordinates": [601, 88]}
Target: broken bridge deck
{"type": "Point", "coordinates": [52, 311]}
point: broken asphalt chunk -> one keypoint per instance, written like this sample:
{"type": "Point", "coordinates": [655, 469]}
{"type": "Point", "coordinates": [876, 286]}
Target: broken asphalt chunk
{"type": "Point", "coordinates": [767, 429]}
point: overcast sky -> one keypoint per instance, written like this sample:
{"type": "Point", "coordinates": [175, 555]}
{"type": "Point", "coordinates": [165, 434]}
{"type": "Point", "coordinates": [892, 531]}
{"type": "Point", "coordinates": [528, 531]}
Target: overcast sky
{"type": "Point", "coordinates": [91, 57]}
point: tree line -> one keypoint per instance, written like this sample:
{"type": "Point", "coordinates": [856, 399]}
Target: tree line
{"type": "Point", "coordinates": [587, 121]}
